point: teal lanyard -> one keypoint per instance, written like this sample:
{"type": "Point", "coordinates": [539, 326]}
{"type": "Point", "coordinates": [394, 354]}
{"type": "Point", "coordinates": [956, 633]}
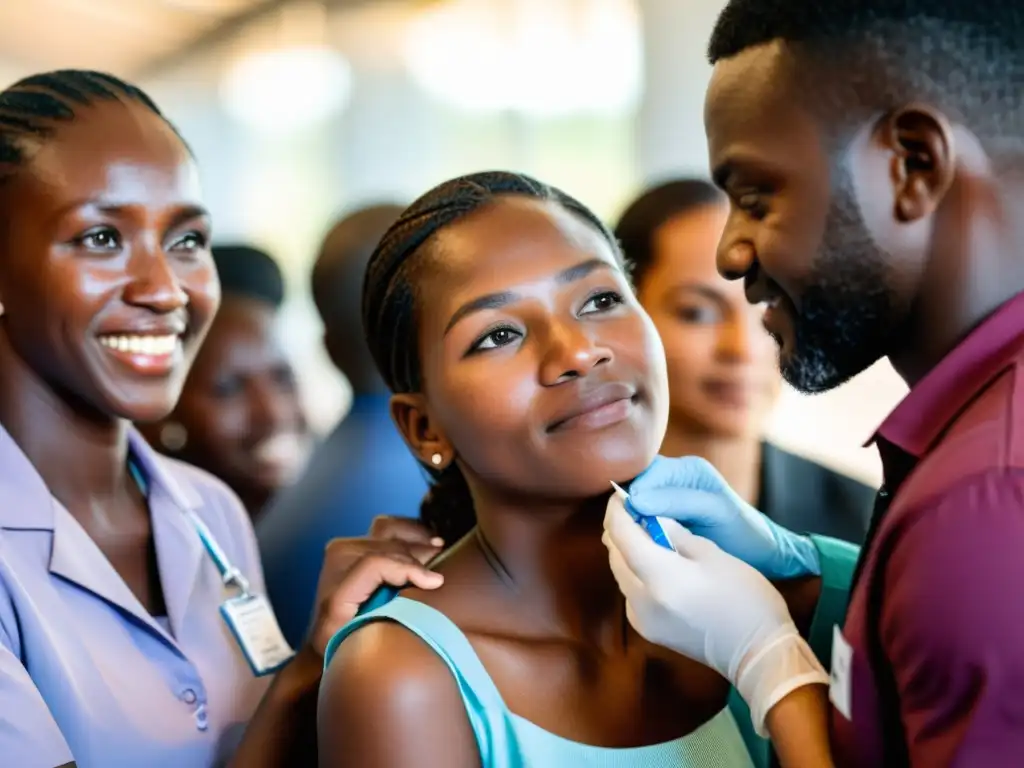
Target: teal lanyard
{"type": "Point", "coordinates": [231, 576]}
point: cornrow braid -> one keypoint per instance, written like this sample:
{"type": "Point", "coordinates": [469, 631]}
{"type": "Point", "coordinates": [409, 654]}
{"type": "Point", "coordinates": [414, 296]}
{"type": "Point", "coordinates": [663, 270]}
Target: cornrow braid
{"type": "Point", "coordinates": [389, 307]}
{"type": "Point", "coordinates": [33, 107]}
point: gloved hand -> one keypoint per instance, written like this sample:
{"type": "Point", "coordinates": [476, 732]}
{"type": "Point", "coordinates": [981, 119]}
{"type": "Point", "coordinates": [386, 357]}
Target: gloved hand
{"type": "Point", "coordinates": [690, 490]}
{"type": "Point", "coordinates": [711, 607]}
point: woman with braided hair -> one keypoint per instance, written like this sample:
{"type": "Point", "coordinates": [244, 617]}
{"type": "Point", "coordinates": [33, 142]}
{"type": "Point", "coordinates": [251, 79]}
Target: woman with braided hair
{"type": "Point", "coordinates": [116, 563]}
{"type": "Point", "coordinates": [526, 378]}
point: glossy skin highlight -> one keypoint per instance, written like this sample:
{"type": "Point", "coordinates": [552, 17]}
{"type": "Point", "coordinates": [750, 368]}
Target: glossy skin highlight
{"type": "Point", "coordinates": [107, 235]}
{"type": "Point", "coordinates": [518, 343]}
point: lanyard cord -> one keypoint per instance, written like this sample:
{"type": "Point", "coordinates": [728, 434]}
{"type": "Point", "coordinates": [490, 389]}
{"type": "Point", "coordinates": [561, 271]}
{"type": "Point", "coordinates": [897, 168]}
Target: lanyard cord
{"type": "Point", "coordinates": [230, 575]}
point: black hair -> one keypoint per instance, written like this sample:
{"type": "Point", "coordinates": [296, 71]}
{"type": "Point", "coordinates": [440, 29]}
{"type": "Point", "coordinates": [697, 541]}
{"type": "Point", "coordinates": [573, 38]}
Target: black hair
{"type": "Point", "coordinates": [389, 307]}
{"type": "Point", "coordinates": [655, 206]}
{"type": "Point", "coordinates": [963, 56]}
{"type": "Point", "coordinates": [250, 273]}
{"type": "Point", "coordinates": [33, 107]}
{"type": "Point", "coordinates": [344, 254]}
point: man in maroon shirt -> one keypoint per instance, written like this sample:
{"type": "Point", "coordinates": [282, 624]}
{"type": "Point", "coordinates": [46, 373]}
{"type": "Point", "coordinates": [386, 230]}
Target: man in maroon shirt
{"type": "Point", "coordinates": [873, 151]}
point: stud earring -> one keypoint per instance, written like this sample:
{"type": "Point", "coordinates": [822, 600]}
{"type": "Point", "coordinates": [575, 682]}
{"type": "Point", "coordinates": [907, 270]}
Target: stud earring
{"type": "Point", "coordinates": [436, 459]}
{"type": "Point", "coordinates": [173, 436]}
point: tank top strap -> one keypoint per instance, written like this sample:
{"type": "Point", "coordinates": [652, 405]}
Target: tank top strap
{"type": "Point", "coordinates": [486, 709]}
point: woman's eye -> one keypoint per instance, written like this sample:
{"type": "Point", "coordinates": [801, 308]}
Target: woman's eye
{"type": "Point", "coordinates": [499, 337]}
{"type": "Point", "coordinates": [193, 241]}
{"type": "Point", "coordinates": [100, 240]}
{"type": "Point", "coordinates": [697, 315]}
{"type": "Point", "coordinates": [601, 303]}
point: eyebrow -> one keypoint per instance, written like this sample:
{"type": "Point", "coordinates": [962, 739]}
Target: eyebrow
{"type": "Point", "coordinates": [699, 289]}
{"type": "Point", "coordinates": [184, 213]}
{"type": "Point", "coordinates": [504, 298]}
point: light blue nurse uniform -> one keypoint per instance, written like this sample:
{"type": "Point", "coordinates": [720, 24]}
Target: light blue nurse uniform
{"type": "Point", "coordinates": [86, 674]}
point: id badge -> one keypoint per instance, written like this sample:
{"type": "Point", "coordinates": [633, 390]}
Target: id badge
{"type": "Point", "coordinates": [252, 622]}
{"type": "Point", "coordinates": [839, 685]}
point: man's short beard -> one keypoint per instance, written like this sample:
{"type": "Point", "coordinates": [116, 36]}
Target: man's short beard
{"type": "Point", "coordinates": [847, 316]}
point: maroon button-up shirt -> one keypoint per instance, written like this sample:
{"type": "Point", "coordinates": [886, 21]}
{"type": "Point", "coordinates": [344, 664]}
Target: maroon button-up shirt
{"type": "Point", "coordinates": [936, 617]}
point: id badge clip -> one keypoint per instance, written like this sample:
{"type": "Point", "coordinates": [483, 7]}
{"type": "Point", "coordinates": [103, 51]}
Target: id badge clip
{"type": "Point", "coordinates": [248, 615]}
{"type": "Point", "coordinates": [251, 620]}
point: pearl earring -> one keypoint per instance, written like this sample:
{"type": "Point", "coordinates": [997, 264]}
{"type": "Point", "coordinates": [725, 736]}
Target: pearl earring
{"type": "Point", "coordinates": [173, 436]}
{"type": "Point", "coordinates": [436, 459]}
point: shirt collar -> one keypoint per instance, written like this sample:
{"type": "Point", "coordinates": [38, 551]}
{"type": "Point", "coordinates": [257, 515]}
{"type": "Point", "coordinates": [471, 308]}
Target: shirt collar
{"type": "Point", "coordinates": [916, 424]}
{"type": "Point", "coordinates": [25, 499]}
{"type": "Point", "coordinates": [156, 468]}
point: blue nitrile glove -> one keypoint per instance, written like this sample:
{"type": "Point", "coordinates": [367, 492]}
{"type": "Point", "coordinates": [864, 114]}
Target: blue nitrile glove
{"type": "Point", "coordinates": [690, 490]}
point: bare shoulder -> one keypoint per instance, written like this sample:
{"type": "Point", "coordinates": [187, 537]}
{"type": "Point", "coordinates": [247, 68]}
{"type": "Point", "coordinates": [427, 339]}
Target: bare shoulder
{"type": "Point", "coordinates": [383, 664]}
{"type": "Point", "coordinates": [384, 674]}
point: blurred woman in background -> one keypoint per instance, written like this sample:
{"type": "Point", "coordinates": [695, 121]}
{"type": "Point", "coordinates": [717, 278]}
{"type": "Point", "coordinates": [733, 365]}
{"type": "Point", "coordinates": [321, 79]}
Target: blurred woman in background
{"type": "Point", "coordinates": [240, 416]}
{"type": "Point", "coordinates": [722, 365]}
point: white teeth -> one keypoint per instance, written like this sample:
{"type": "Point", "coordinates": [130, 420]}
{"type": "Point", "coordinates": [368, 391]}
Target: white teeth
{"type": "Point", "coordinates": [286, 452]}
{"type": "Point", "coordinates": [142, 345]}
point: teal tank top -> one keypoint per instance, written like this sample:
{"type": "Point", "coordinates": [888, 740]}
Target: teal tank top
{"type": "Point", "coordinates": [506, 740]}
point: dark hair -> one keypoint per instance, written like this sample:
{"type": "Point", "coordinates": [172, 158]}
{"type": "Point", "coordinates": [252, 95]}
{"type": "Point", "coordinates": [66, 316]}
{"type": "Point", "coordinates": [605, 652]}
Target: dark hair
{"type": "Point", "coordinates": [344, 253]}
{"type": "Point", "coordinates": [655, 206]}
{"type": "Point", "coordinates": [32, 108]}
{"type": "Point", "coordinates": [963, 56]}
{"type": "Point", "coordinates": [389, 307]}
{"type": "Point", "coordinates": [249, 272]}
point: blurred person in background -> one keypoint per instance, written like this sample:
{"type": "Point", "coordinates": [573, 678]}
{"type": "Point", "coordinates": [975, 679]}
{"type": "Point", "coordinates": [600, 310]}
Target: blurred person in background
{"type": "Point", "coordinates": [116, 561]}
{"type": "Point", "coordinates": [723, 370]}
{"type": "Point", "coordinates": [363, 468]}
{"type": "Point", "coordinates": [240, 416]}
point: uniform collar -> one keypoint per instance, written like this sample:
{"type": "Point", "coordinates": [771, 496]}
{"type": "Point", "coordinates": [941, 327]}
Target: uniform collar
{"type": "Point", "coordinates": [26, 504]}
{"type": "Point", "coordinates": [25, 499]}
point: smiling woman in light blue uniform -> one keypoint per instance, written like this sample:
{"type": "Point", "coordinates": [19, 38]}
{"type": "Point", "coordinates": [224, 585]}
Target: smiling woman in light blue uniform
{"type": "Point", "coordinates": [133, 627]}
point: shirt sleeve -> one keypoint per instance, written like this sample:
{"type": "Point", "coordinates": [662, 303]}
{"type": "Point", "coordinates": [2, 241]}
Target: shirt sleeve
{"type": "Point", "coordinates": [29, 736]}
{"type": "Point", "coordinates": [952, 626]}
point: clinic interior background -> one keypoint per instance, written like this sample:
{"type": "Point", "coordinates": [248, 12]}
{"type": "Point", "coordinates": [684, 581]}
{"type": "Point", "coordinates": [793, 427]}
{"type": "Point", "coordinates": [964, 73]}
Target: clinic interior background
{"type": "Point", "coordinates": [298, 110]}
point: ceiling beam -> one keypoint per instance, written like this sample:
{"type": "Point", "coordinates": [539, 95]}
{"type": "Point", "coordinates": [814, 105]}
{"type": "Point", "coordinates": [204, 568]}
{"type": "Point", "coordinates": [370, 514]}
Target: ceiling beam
{"type": "Point", "coordinates": [223, 32]}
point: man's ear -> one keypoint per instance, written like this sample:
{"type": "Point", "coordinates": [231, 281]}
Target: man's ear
{"type": "Point", "coordinates": [423, 436]}
{"type": "Point", "coordinates": [923, 158]}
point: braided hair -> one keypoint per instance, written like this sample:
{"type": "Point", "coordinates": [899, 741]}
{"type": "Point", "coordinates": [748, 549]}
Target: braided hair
{"type": "Point", "coordinates": [32, 108]}
{"type": "Point", "coordinates": [389, 307]}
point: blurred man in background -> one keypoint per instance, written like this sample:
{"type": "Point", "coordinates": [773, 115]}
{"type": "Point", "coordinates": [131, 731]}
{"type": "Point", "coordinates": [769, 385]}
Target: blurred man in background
{"type": "Point", "coordinates": [240, 416]}
{"type": "Point", "coordinates": [363, 468]}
